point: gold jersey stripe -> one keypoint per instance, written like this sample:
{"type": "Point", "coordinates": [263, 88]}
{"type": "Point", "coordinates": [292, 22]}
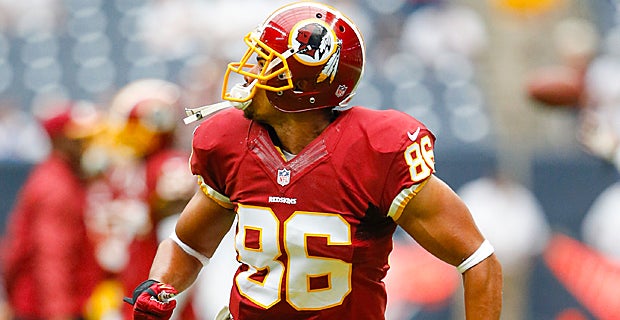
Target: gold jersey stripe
{"type": "Point", "coordinates": [221, 199]}
{"type": "Point", "coordinates": [402, 199]}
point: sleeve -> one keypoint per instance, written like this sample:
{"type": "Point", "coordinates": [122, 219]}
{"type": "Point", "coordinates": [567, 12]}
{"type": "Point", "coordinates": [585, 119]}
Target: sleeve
{"type": "Point", "coordinates": [207, 162]}
{"type": "Point", "coordinates": [412, 165]}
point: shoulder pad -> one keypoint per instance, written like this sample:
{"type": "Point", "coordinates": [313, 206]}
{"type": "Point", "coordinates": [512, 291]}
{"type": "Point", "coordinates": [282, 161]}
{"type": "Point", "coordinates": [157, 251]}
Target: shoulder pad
{"type": "Point", "coordinates": [389, 130]}
{"type": "Point", "coordinates": [222, 126]}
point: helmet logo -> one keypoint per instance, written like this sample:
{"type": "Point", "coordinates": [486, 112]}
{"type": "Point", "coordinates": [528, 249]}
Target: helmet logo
{"type": "Point", "coordinates": [316, 44]}
{"type": "Point", "coordinates": [313, 41]}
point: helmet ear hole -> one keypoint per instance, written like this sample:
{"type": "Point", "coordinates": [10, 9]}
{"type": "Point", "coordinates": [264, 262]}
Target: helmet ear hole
{"type": "Point", "coordinates": [301, 85]}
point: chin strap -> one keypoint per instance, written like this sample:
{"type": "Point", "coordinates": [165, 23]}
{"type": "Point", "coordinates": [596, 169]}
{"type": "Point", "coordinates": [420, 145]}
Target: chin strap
{"type": "Point", "coordinates": [195, 114]}
{"type": "Point", "coordinates": [239, 91]}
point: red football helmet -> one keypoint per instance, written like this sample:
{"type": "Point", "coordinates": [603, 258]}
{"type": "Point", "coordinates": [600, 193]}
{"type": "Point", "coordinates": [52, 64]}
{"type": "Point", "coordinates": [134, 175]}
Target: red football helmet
{"type": "Point", "coordinates": [313, 58]}
{"type": "Point", "coordinates": [143, 115]}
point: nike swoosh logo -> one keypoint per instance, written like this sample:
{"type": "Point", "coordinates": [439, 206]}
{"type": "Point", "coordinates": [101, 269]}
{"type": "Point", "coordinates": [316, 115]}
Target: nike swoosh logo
{"type": "Point", "coordinates": [413, 136]}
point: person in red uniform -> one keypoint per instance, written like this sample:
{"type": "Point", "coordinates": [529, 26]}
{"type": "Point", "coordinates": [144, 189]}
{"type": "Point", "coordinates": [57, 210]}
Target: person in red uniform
{"type": "Point", "coordinates": [48, 260]}
{"type": "Point", "coordinates": [318, 188]}
{"type": "Point", "coordinates": [147, 179]}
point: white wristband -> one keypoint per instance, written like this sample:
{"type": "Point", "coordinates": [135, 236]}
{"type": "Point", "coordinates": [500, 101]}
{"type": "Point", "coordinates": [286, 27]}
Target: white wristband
{"type": "Point", "coordinates": [483, 252]}
{"type": "Point", "coordinates": [189, 250]}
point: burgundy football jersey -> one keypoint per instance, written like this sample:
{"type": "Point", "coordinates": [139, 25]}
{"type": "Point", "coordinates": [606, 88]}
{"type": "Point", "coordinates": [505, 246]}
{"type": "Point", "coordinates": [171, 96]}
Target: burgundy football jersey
{"type": "Point", "coordinates": [314, 233]}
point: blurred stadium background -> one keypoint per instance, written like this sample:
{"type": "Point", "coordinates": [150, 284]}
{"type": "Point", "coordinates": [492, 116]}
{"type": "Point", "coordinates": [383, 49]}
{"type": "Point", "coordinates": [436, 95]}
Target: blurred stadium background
{"type": "Point", "coordinates": [459, 66]}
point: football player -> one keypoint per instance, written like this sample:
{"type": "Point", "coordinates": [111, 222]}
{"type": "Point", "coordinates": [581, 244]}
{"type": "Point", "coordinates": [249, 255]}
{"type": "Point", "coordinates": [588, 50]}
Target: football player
{"type": "Point", "coordinates": [318, 188]}
{"type": "Point", "coordinates": [145, 182]}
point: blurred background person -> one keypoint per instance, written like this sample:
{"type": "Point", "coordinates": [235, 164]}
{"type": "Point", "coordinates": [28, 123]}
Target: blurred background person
{"type": "Point", "coordinates": [599, 129]}
{"type": "Point", "coordinates": [599, 134]}
{"type": "Point", "coordinates": [144, 180]}
{"type": "Point", "coordinates": [49, 265]}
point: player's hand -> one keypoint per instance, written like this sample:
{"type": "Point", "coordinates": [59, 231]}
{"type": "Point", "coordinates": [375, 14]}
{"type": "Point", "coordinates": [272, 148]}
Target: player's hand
{"type": "Point", "coordinates": [153, 300]}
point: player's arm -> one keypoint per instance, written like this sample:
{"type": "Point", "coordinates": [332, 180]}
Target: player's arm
{"type": "Point", "coordinates": [199, 230]}
{"type": "Point", "coordinates": [441, 223]}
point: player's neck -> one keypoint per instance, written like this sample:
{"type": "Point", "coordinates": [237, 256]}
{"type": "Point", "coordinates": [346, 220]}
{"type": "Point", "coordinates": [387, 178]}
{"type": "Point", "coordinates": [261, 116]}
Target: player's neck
{"type": "Point", "coordinates": [296, 130]}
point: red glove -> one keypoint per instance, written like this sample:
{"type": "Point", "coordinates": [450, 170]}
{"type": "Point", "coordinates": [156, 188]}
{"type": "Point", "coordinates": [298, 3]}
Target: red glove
{"type": "Point", "coordinates": [152, 301]}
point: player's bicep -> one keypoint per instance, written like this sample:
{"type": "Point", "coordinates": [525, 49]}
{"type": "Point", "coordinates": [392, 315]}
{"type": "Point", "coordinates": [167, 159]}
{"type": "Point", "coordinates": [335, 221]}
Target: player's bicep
{"type": "Point", "coordinates": [413, 164]}
{"type": "Point", "coordinates": [441, 223]}
{"type": "Point", "coordinates": [203, 223]}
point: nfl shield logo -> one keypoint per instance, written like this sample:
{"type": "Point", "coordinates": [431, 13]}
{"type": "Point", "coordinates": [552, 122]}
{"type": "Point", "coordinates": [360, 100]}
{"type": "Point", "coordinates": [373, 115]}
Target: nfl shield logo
{"type": "Point", "coordinates": [284, 177]}
{"type": "Point", "coordinates": [341, 90]}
